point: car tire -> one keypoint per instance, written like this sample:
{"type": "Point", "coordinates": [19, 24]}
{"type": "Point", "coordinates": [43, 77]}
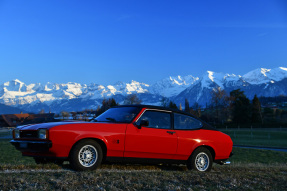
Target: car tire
{"type": "Point", "coordinates": [86, 155]}
{"type": "Point", "coordinates": [200, 160]}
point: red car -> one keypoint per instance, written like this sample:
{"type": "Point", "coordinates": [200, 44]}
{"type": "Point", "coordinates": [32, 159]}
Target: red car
{"type": "Point", "coordinates": [138, 133]}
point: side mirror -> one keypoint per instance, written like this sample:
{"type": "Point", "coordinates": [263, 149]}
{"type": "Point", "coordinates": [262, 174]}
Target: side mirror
{"type": "Point", "coordinates": [143, 123]}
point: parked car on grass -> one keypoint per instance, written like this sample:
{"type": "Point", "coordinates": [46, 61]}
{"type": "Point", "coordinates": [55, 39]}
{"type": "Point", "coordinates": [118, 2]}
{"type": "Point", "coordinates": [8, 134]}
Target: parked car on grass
{"type": "Point", "coordinates": [135, 133]}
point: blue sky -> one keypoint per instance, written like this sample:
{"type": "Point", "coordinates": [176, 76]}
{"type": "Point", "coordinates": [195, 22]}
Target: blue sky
{"type": "Point", "coordinates": [143, 40]}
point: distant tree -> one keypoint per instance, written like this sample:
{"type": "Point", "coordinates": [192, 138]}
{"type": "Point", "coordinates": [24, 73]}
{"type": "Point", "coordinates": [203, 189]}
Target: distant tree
{"type": "Point", "coordinates": [106, 104]}
{"type": "Point", "coordinates": [74, 115]}
{"type": "Point", "coordinates": [113, 103]}
{"type": "Point", "coordinates": [132, 99]}
{"type": "Point", "coordinates": [65, 114]}
{"type": "Point", "coordinates": [172, 105]}
{"type": "Point", "coordinates": [42, 111]}
{"type": "Point", "coordinates": [85, 116]}
{"type": "Point", "coordinates": [220, 102]}
{"type": "Point", "coordinates": [240, 105]}
{"type": "Point", "coordinates": [195, 106]}
{"type": "Point", "coordinates": [268, 111]}
{"type": "Point", "coordinates": [256, 110]}
{"type": "Point", "coordinates": [278, 113]}
{"type": "Point", "coordinates": [180, 107]}
{"type": "Point", "coordinates": [195, 109]}
{"type": "Point", "coordinates": [186, 106]}
{"type": "Point", "coordinates": [164, 102]}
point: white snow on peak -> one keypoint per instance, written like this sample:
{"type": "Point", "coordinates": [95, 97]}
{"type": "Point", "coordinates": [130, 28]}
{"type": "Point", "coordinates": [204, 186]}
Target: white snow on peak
{"type": "Point", "coordinates": [212, 77]}
{"type": "Point", "coordinates": [119, 87]}
{"type": "Point", "coordinates": [172, 85]}
{"type": "Point", "coordinates": [15, 86]}
{"type": "Point", "coordinates": [136, 87]}
{"type": "Point", "coordinates": [232, 77]}
{"type": "Point", "coordinates": [15, 92]}
{"type": "Point", "coordinates": [263, 75]}
{"type": "Point", "coordinates": [219, 79]}
{"type": "Point", "coordinates": [278, 74]}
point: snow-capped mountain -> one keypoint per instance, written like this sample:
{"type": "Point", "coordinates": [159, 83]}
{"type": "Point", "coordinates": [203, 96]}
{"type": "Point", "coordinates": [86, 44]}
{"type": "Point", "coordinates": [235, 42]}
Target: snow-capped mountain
{"type": "Point", "coordinates": [172, 86]}
{"type": "Point", "coordinates": [263, 75]}
{"type": "Point", "coordinates": [75, 96]}
{"type": "Point", "coordinates": [262, 82]}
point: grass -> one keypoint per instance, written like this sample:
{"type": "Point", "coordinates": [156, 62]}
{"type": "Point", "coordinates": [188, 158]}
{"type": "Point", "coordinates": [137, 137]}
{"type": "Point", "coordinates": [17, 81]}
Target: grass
{"type": "Point", "coordinates": [12, 158]}
{"type": "Point", "coordinates": [250, 169]}
{"type": "Point", "coordinates": [219, 178]}
{"type": "Point", "coordinates": [258, 137]}
{"type": "Point", "coordinates": [5, 133]}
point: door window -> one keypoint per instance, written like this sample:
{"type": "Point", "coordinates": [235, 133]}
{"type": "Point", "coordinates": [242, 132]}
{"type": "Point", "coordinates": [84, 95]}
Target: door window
{"type": "Point", "coordinates": [156, 119]}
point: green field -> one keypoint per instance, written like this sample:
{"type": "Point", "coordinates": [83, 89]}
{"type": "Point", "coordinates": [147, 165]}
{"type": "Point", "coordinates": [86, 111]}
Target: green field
{"type": "Point", "coordinates": [258, 137]}
{"type": "Point", "coordinates": [12, 158]}
{"type": "Point", "coordinates": [5, 132]}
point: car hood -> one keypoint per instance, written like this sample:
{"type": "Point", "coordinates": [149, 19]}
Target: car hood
{"type": "Point", "coordinates": [47, 125]}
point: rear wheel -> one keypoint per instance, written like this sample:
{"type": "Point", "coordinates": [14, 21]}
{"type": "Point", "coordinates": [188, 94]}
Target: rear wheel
{"type": "Point", "coordinates": [200, 160]}
{"type": "Point", "coordinates": [86, 155]}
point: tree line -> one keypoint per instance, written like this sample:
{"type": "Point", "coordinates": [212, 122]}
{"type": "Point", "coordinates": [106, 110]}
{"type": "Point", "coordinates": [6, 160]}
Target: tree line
{"type": "Point", "coordinates": [236, 108]}
{"type": "Point", "coordinates": [232, 108]}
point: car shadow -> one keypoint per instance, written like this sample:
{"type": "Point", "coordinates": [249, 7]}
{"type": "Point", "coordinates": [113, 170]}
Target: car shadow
{"type": "Point", "coordinates": [134, 167]}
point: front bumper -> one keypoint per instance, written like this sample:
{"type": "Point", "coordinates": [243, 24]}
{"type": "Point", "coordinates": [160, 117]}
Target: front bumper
{"type": "Point", "coordinates": [31, 146]}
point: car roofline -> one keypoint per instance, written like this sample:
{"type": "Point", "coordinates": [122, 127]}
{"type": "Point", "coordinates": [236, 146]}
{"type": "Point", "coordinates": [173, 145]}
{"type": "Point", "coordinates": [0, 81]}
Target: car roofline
{"type": "Point", "coordinates": [155, 107]}
{"type": "Point", "coordinates": [206, 125]}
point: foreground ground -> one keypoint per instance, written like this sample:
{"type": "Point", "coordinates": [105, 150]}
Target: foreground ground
{"type": "Point", "coordinates": [250, 170]}
{"type": "Point", "coordinates": [220, 178]}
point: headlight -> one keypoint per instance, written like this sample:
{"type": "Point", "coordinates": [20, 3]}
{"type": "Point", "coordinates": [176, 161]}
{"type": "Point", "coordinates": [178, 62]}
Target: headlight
{"type": "Point", "coordinates": [43, 133]}
{"type": "Point", "coordinates": [16, 134]}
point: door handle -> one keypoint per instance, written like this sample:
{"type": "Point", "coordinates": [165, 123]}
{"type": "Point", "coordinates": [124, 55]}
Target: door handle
{"type": "Point", "coordinates": [171, 132]}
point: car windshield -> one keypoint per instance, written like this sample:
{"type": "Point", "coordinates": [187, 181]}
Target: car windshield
{"type": "Point", "coordinates": [118, 115]}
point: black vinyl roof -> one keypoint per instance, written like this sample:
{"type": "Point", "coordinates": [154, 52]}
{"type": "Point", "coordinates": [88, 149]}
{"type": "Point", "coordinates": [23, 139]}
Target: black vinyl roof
{"type": "Point", "coordinates": [157, 107]}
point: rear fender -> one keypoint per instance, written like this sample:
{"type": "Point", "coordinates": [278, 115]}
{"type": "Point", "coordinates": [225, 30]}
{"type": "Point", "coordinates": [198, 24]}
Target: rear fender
{"type": "Point", "coordinates": [210, 147]}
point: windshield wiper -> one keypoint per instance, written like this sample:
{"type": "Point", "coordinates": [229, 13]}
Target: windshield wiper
{"type": "Point", "coordinates": [111, 119]}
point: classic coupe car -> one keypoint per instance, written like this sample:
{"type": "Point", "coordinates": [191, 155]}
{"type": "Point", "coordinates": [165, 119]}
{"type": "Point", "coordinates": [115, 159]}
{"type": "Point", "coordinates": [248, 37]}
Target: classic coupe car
{"type": "Point", "coordinates": [135, 133]}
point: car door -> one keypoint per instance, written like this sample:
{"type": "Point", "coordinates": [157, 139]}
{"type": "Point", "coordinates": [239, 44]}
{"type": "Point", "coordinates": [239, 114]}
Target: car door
{"type": "Point", "coordinates": [155, 140]}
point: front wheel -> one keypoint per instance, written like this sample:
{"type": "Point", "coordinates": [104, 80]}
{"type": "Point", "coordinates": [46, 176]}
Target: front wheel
{"type": "Point", "coordinates": [86, 155]}
{"type": "Point", "coordinates": [200, 160]}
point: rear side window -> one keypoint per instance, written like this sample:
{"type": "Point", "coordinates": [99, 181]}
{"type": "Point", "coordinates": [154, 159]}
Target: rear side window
{"type": "Point", "coordinates": [186, 122]}
{"type": "Point", "coordinates": [156, 119]}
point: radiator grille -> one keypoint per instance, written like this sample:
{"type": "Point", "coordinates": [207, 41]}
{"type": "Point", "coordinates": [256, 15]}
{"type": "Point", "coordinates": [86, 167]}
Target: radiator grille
{"type": "Point", "coordinates": [28, 134]}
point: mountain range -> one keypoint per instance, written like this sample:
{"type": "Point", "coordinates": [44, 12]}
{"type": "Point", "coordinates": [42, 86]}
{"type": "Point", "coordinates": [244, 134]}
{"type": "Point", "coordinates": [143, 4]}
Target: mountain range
{"type": "Point", "coordinates": [73, 96]}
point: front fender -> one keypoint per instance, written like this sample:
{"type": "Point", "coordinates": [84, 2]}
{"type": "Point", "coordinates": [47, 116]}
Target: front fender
{"type": "Point", "coordinates": [88, 136]}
